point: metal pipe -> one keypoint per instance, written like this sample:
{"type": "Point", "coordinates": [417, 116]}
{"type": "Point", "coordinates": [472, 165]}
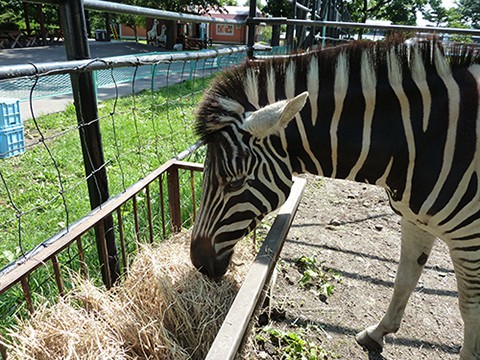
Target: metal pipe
{"type": "Point", "coordinates": [77, 66]}
{"type": "Point", "coordinates": [307, 9]}
{"type": "Point", "coordinates": [72, 16]}
{"type": "Point", "coordinates": [112, 7]}
{"type": "Point", "coordinates": [353, 25]}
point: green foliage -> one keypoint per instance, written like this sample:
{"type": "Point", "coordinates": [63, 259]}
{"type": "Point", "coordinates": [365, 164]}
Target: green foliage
{"type": "Point", "coordinates": [139, 133]}
{"type": "Point", "coordinates": [200, 7]}
{"type": "Point", "coordinates": [436, 13]}
{"type": "Point", "coordinates": [12, 15]}
{"type": "Point", "coordinates": [275, 8]}
{"type": "Point", "coordinates": [397, 11]}
{"type": "Point", "coordinates": [291, 345]}
{"type": "Point", "coordinates": [470, 12]}
{"type": "Point", "coordinates": [404, 11]}
{"type": "Point", "coordinates": [321, 282]}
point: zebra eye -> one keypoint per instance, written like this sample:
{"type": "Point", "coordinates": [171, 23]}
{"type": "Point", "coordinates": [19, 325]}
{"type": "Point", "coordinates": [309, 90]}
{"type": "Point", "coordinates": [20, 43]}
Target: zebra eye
{"type": "Point", "coordinates": [235, 184]}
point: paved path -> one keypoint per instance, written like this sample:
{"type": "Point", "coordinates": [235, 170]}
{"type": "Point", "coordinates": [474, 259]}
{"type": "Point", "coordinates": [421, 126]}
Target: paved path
{"type": "Point", "coordinates": [57, 53]}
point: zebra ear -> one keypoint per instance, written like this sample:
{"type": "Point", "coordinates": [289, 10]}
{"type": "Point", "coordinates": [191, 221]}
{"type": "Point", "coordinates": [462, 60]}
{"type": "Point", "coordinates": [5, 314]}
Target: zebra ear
{"type": "Point", "coordinates": [274, 117]}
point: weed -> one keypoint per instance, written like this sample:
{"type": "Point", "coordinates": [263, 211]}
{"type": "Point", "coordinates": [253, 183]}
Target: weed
{"type": "Point", "coordinates": [314, 277]}
{"type": "Point", "coordinates": [289, 345]}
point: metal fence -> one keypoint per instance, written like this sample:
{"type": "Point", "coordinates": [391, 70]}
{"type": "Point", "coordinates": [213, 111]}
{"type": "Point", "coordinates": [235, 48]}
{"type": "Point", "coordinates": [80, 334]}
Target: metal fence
{"type": "Point", "coordinates": [28, 87]}
{"type": "Point", "coordinates": [65, 168]}
{"type": "Point", "coordinates": [45, 189]}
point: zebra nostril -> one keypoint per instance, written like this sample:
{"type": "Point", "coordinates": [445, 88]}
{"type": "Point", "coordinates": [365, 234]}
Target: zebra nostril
{"type": "Point", "coordinates": [202, 256]}
{"type": "Point", "coordinates": [207, 269]}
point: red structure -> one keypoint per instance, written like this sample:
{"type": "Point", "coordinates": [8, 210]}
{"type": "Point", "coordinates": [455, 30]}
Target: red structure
{"type": "Point", "coordinates": [225, 33]}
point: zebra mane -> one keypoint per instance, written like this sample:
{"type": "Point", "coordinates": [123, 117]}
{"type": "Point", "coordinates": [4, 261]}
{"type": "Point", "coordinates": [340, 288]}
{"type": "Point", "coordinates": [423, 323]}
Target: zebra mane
{"type": "Point", "coordinates": [226, 100]}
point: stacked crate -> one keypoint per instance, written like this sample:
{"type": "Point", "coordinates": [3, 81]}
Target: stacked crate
{"type": "Point", "coordinates": [12, 138]}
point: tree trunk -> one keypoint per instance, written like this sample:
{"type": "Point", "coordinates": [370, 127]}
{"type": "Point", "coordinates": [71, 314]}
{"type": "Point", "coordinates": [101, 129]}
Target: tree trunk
{"type": "Point", "coordinates": [275, 41]}
{"type": "Point", "coordinates": [171, 33]}
{"type": "Point", "coordinates": [41, 20]}
{"type": "Point", "coordinates": [364, 18]}
{"type": "Point", "coordinates": [27, 18]}
{"type": "Point", "coordinates": [107, 26]}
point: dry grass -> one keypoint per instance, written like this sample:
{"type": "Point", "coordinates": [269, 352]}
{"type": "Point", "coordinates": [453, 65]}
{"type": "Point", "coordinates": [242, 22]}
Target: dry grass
{"type": "Point", "coordinates": [164, 309]}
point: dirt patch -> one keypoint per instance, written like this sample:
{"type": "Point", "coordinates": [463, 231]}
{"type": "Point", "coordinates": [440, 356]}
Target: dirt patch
{"type": "Point", "coordinates": [350, 229]}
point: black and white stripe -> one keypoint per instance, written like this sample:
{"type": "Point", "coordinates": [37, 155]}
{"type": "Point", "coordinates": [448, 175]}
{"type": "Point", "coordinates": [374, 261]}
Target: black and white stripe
{"type": "Point", "coordinates": [405, 118]}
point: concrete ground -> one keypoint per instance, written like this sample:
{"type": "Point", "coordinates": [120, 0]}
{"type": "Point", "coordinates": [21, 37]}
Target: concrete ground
{"type": "Point", "coordinates": [57, 53]}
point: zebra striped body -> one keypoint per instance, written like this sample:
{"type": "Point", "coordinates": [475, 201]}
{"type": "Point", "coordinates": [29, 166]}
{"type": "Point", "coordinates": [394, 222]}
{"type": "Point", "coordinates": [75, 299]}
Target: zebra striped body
{"type": "Point", "coordinates": [403, 118]}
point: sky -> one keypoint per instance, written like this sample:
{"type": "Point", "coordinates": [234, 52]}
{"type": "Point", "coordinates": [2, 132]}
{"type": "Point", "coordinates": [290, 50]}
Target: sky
{"type": "Point", "coordinates": [448, 3]}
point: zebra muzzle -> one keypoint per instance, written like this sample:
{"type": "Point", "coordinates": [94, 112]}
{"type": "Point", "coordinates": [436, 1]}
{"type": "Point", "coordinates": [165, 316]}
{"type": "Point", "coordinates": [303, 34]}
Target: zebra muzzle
{"type": "Point", "coordinates": [204, 258]}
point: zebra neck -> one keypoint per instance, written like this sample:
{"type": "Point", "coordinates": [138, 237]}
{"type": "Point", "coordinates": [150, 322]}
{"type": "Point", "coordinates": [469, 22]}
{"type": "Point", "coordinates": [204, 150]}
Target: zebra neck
{"type": "Point", "coordinates": [388, 124]}
{"type": "Point", "coordinates": [356, 135]}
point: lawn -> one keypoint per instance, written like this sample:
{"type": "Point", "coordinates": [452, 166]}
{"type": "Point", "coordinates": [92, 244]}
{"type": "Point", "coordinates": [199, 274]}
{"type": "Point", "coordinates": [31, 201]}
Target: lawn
{"type": "Point", "coordinates": [44, 190]}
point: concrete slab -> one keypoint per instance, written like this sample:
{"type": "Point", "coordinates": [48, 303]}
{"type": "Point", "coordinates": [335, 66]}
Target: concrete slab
{"type": "Point", "coordinates": [57, 52]}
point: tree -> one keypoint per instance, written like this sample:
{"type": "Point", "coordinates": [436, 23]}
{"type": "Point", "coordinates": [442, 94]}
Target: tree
{"type": "Point", "coordinates": [435, 13]}
{"type": "Point", "coordinates": [12, 15]}
{"type": "Point", "coordinates": [396, 11]}
{"type": "Point", "coordinates": [470, 12]}
{"type": "Point", "coordinates": [278, 8]}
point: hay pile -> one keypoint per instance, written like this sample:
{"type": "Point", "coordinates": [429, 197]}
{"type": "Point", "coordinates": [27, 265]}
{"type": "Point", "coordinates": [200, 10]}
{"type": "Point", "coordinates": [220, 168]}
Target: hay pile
{"type": "Point", "coordinates": [164, 309]}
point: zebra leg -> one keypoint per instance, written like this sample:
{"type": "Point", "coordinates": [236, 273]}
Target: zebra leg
{"type": "Point", "coordinates": [415, 249]}
{"type": "Point", "coordinates": [467, 273]}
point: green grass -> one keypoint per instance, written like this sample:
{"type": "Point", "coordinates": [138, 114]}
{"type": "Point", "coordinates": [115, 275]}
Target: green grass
{"type": "Point", "coordinates": [139, 133]}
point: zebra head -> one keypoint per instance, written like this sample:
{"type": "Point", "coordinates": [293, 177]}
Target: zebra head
{"type": "Point", "coordinates": [247, 174]}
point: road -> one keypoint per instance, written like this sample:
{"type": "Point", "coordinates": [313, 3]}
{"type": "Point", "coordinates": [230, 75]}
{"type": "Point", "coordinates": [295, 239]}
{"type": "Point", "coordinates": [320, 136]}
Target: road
{"type": "Point", "coordinates": [54, 53]}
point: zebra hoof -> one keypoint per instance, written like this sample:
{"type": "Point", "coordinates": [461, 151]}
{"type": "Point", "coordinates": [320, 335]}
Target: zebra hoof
{"type": "Point", "coordinates": [364, 340]}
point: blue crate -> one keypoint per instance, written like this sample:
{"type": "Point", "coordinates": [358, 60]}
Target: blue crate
{"type": "Point", "coordinates": [9, 113]}
{"type": "Point", "coordinates": [12, 141]}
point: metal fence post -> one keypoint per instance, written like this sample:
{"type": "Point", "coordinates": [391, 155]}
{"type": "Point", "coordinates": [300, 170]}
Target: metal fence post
{"type": "Point", "coordinates": [251, 29]}
{"type": "Point", "coordinates": [72, 19]}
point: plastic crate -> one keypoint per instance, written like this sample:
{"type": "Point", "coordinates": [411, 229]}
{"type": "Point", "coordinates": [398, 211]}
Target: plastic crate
{"type": "Point", "coordinates": [9, 113]}
{"type": "Point", "coordinates": [12, 141]}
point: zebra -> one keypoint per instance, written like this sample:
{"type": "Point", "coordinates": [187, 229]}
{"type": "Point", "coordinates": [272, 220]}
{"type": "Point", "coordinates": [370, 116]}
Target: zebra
{"type": "Point", "coordinates": [402, 117]}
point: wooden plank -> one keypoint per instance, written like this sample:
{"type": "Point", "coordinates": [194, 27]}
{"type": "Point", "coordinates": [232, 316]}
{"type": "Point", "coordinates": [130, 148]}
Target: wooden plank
{"type": "Point", "coordinates": [229, 338]}
{"type": "Point", "coordinates": [58, 276]}
{"type": "Point", "coordinates": [149, 212]}
{"type": "Point", "coordinates": [185, 165]}
{"type": "Point", "coordinates": [27, 293]}
{"type": "Point", "coordinates": [173, 182]}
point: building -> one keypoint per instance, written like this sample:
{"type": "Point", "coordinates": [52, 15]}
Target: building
{"type": "Point", "coordinates": [227, 33]}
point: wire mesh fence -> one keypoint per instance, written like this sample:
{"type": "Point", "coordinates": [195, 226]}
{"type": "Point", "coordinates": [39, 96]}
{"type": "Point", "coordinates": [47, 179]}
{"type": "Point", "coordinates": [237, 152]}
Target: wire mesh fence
{"type": "Point", "coordinates": [44, 190]}
{"type": "Point", "coordinates": [153, 76]}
